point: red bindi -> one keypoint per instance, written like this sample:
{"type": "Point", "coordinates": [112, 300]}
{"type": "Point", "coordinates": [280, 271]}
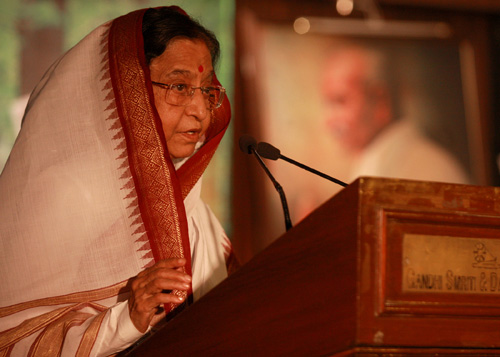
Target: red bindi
{"type": "Point", "coordinates": [200, 68]}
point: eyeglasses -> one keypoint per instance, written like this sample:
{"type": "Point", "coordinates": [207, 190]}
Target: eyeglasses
{"type": "Point", "coordinates": [181, 94]}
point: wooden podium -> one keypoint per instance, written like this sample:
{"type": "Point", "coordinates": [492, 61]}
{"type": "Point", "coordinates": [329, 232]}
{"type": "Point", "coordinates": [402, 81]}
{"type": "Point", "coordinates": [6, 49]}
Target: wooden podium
{"type": "Point", "coordinates": [386, 267]}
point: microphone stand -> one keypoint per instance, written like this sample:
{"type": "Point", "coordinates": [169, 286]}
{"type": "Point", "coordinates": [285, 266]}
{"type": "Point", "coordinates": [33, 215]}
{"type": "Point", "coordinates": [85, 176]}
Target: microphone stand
{"type": "Point", "coordinates": [310, 169]}
{"type": "Point", "coordinates": [268, 151]}
{"type": "Point", "coordinates": [277, 186]}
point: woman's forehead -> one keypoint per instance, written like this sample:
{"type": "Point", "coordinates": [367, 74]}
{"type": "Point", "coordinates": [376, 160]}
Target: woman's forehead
{"type": "Point", "coordinates": [184, 58]}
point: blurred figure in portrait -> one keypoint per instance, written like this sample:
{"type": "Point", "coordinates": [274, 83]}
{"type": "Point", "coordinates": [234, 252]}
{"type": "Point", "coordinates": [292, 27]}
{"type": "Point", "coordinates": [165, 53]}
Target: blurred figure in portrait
{"type": "Point", "coordinates": [365, 111]}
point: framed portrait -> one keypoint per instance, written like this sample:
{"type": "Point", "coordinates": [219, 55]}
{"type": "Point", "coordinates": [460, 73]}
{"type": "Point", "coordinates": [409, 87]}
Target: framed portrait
{"type": "Point", "coordinates": [301, 79]}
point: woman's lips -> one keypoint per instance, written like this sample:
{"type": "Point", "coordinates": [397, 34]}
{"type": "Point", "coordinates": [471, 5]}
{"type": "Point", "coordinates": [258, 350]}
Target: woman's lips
{"type": "Point", "coordinates": [191, 135]}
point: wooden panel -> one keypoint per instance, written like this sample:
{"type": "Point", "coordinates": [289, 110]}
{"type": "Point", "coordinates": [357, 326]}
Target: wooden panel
{"type": "Point", "coordinates": [391, 209]}
{"type": "Point", "coordinates": [457, 287]}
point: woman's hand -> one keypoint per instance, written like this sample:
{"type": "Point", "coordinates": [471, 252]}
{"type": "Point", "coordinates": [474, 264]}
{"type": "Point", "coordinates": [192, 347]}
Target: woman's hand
{"type": "Point", "coordinates": [151, 287]}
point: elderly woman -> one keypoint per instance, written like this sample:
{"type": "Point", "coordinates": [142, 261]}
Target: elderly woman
{"type": "Point", "coordinates": [103, 230]}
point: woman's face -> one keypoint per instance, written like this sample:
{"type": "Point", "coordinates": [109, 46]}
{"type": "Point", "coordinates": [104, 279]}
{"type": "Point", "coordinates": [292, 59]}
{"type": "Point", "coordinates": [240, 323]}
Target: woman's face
{"type": "Point", "coordinates": [184, 61]}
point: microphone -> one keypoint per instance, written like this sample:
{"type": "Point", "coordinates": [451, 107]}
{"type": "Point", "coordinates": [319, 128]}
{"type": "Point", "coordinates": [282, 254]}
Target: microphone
{"type": "Point", "coordinates": [268, 151]}
{"type": "Point", "coordinates": [248, 145]}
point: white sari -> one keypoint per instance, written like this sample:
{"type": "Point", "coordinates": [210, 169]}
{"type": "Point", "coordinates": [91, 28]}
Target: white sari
{"type": "Point", "coordinates": [90, 198]}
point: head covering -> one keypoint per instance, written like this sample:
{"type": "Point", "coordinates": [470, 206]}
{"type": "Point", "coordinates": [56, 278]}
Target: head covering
{"type": "Point", "coordinates": [90, 196]}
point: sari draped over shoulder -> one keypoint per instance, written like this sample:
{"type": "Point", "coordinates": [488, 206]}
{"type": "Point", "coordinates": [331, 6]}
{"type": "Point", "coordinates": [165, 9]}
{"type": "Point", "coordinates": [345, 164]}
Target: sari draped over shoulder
{"type": "Point", "coordinates": [90, 197]}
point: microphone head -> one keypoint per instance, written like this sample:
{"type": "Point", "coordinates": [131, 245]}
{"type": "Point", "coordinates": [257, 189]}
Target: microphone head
{"type": "Point", "coordinates": [247, 142]}
{"type": "Point", "coordinates": [268, 151]}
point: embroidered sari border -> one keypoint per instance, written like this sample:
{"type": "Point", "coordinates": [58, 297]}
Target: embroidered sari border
{"type": "Point", "coordinates": [51, 339]}
{"type": "Point", "coordinates": [30, 326]}
{"type": "Point", "coordinates": [90, 336]}
{"type": "Point", "coordinates": [82, 296]}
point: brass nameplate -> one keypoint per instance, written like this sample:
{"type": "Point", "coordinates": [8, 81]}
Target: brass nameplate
{"type": "Point", "coordinates": [440, 264]}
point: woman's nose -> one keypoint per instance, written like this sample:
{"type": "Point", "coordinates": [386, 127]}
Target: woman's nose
{"type": "Point", "coordinates": [198, 105]}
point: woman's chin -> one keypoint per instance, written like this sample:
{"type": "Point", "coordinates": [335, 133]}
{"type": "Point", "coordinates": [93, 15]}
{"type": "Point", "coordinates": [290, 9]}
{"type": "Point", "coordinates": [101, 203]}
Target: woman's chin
{"type": "Point", "coordinates": [181, 152]}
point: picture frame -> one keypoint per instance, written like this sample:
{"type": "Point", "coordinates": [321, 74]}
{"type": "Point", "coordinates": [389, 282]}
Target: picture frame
{"type": "Point", "coordinates": [279, 100]}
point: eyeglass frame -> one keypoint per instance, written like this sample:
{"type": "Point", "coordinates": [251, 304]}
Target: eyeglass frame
{"type": "Point", "coordinates": [168, 86]}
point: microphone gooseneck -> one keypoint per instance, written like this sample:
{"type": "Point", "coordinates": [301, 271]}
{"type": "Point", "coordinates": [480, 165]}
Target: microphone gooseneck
{"type": "Point", "coordinates": [249, 146]}
{"type": "Point", "coordinates": [268, 151]}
